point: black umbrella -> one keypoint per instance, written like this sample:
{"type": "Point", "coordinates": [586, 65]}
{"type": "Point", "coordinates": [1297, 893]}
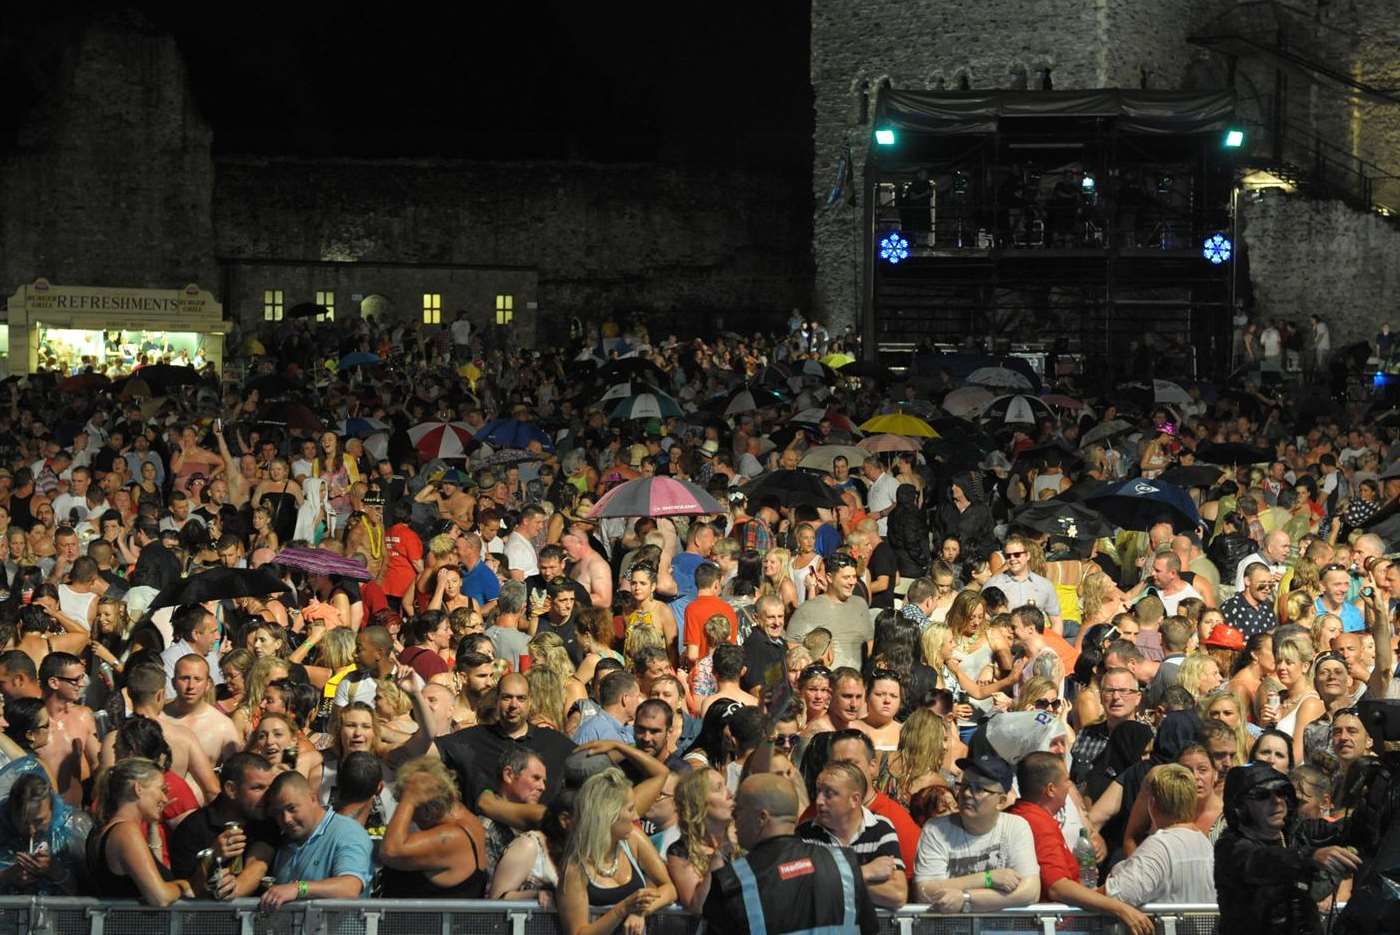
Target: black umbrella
{"type": "Point", "coordinates": [1137, 503]}
{"type": "Point", "coordinates": [219, 584]}
{"type": "Point", "coordinates": [1194, 475]}
{"type": "Point", "coordinates": [270, 385]}
{"type": "Point", "coordinates": [163, 377]}
{"type": "Point", "coordinates": [1061, 453]}
{"type": "Point", "coordinates": [1233, 454]}
{"type": "Point", "coordinates": [867, 369]}
{"type": "Point", "coordinates": [956, 451]}
{"type": "Point", "coordinates": [1063, 518]}
{"type": "Point", "coordinates": [306, 310]}
{"type": "Point", "coordinates": [792, 488]}
{"type": "Point", "coordinates": [290, 415]}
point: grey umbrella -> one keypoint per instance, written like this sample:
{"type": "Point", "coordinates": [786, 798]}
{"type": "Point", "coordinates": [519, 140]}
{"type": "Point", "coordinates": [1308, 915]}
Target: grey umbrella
{"type": "Point", "coordinates": [1105, 430]}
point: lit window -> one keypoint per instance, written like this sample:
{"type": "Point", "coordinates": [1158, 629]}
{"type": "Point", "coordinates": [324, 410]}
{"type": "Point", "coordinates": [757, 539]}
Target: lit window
{"type": "Point", "coordinates": [505, 309]}
{"type": "Point", "coordinates": [327, 300]}
{"type": "Point", "coordinates": [272, 305]}
{"type": "Point", "coordinates": [432, 308]}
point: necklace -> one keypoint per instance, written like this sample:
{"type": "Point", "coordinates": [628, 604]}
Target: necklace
{"type": "Point", "coordinates": [608, 870]}
{"type": "Point", "coordinates": [376, 539]}
{"type": "Point", "coordinates": [965, 643]}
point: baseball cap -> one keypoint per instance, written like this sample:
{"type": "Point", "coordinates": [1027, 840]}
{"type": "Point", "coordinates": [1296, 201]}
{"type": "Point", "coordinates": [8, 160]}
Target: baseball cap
{"type": "Point", "coordinates": [454, 477]}
{"type": "Point", "coordinates": [989, 766]}
{"type": "Point", "coordinates": [709, 449]}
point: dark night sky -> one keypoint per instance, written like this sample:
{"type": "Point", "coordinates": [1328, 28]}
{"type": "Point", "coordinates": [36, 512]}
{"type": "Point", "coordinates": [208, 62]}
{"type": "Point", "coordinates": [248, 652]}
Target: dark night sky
{"type": "Point", "coordinates": [726, 83]}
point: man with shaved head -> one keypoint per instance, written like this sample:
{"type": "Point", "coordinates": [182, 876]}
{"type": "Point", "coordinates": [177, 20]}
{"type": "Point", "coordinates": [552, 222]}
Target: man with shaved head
{"type": "Point", "coordinates": [784, 884]}
{"type": "Point", "coordinates": [323, 855]}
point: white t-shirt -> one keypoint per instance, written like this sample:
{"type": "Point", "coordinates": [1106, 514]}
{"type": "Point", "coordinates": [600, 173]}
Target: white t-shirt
{"type": "Point", "coordinates": [520, 552]}
{"type": "Point", "coordinates": [1271, 342]}
{"type": "Point", "coordinates": [1172, 601]}
{"type": "Point", "coordinates": [881, 497]}
{"type": "Point", "coordinates": [946, 851]}
{"type": "Point", "coordinates": [1174, 865]}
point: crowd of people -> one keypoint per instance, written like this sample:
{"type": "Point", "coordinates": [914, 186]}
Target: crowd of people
{"type": "Point", "coordinates": [263, 637]}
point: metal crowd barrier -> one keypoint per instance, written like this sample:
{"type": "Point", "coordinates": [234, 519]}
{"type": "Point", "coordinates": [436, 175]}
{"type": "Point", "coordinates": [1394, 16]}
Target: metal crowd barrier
{"type": "Point", "coordinates": [78, 916]}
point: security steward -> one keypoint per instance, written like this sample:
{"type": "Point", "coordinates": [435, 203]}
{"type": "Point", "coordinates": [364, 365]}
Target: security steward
{"type": "Point", "coordinates": [785, 885]}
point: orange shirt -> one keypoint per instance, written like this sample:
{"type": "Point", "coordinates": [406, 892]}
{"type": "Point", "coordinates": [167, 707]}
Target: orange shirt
{"type": "Point", "coordinates": [702, 609]}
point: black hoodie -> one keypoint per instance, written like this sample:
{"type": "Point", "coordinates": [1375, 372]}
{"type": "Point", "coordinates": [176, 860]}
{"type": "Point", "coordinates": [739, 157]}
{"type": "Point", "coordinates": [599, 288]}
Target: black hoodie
{"type": "Point", "coordinates": [908, 533]}
{"type": "Point", "coordinates": [1262, 879]}
{"type": "Point", "coordinates": [973, 526]}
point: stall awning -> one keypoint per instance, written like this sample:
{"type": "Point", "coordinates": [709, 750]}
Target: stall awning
{"type": "Point", "coordinates": [973, 112]}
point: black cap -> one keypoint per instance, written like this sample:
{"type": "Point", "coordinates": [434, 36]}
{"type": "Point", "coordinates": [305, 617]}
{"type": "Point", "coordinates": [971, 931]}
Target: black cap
{"type": "Point", "coordinates": [989, 766]}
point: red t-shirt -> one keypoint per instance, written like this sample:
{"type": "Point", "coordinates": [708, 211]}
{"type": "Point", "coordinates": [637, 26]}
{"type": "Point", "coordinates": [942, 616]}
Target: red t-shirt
{"type": "Point", "coordinates": [423, 661]}
{"type": "Point", "coordinates": [1056, 859]}
{"type": "Point", "coordinates": [405, 548]}
{"type": "Point", "coordinates": [904, 827]}
{"type": "Point", "coordinates": [702, 609]}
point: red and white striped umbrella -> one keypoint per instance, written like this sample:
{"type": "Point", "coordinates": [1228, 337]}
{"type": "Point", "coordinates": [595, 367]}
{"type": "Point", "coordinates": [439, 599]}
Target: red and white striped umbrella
{"type": "Point", "coordinates": [443, 439]}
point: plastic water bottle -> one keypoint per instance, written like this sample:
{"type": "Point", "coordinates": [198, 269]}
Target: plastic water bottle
{"type": "Point", "coordinates": [1088, 861]}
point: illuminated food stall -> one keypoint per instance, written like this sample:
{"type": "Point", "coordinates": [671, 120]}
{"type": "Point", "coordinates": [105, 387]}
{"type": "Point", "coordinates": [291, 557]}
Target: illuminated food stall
{"type": "Point", "coordinates": [113, 329]}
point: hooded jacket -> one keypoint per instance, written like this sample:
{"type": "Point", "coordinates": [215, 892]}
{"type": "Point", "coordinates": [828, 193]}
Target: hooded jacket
{"type": "Point", "coordinates": [908, 533]}
{"type": "Point", "coordinates": [973, 526]}
{"type": "Point", "coordinates": [1262, 881]}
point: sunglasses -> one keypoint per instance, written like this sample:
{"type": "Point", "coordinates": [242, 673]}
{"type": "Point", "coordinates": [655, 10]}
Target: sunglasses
{"type": "Point", "coordinates": [786, 740]}
{"type": "Point", "coordinates": [840, 561]}
{"type": "Point", "coordinates": [815, 670]}
{"type": "Point", "coordinates": [1013, 554]}
{"type": "Point", "coordinates": [1273, 792]}
{"type": "Point", "coordinates": [1049, 704]}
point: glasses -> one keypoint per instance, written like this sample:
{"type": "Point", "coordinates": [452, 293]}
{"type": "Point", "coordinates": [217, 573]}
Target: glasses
{"type": "Point", "coordinates": [1013, 554]}
{"type": "Point", "coordinates": [72, 679]}
{"type": "Point", "coordinates": [840, 561]}
{"type": "Point", "coordinates": [1049, 704]}
{"type": "Point", "coordinates": [814, 670]}
{"type": "Point", "coordinates": [786, 740]}
{"type": "Point", "coordinates": [1276, 792]}
{"type": "Point", "coordinates": [1110, 692]}
{"type": "Point", "coordinates": [1334, 567]}
{"type": "Point", "coordinates": [976, 792]}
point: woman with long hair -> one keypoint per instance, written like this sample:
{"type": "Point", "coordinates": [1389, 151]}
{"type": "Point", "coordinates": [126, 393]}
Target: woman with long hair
{"type": "Point", "coordinates": [277, 740]}
{"type": "Point", "coordinates": [777, 580]}
{"type": "Point", "coordinates": [281, 497]}
{"type": "Point", "coordinates": [609, 862]}
{"type": "Point", "coordinates": [1254, 664]}
{"type": "Point", "coordinates": [235, 666]}
{"type": "Point", "coordinates": [814, 689]}
{"type": "Point", "coordinates": [263, 672]}
{"type": "Point", "coordinates": [916, 774]}
{"type": "Point", "coordinates": [119, 859]}
{"type": "Point", "coordinates": [548, 650]}
{"type": "Point", "coordinates": [338, 472]}
{"type": "Point", "coordinates": [263, 535]}
{"type": "Point", "coordinates": [445, 858]}
{"type": "Point", "coordinates": [1199, 674]}
{"type": "Point", "coordinates": [641, 582]}
{"type": "Point", "coordinates": [595, 634]}
{"type": "Point", "coordinates": [1222, 705]}
{"type": "Point", "coordinates": [1298, 705]}
{"type": "Point", "coordinates": [705, 816]}
{"type": "Point", "coordinates": [805, 566]}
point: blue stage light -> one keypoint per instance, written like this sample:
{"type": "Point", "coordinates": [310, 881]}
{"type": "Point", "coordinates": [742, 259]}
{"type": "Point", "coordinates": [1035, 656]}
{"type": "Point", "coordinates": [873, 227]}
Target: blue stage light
{"type": "Point", "coordinates": [1217, 249]}
{"type": "Point", "coordinates": [894, 248]}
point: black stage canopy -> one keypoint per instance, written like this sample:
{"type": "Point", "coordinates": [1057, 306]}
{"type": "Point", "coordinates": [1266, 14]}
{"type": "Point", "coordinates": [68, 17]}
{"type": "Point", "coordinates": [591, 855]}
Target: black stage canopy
{"type": "Point", "coordinates": [1146, 112]}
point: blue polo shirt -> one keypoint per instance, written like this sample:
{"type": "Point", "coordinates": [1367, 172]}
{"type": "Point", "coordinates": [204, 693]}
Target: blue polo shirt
{"type": "Point", "coordinates": [602, 726]}
{"type": "Point", "coordinates": [338, 847]}
{"type": "Point", "coordinates": [481, 584]}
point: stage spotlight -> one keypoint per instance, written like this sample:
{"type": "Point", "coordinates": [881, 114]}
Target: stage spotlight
{"type": "Point", "coordinates": [1088, 184]}
{"type": "Point", "coordinates": [884, 137]}
{"type": "Point", "coordinates": [1217, 248]}
{"type": "Point", "coordinates": [1234, 139]}
{"type": "Point", "coordinates": [894, 248]}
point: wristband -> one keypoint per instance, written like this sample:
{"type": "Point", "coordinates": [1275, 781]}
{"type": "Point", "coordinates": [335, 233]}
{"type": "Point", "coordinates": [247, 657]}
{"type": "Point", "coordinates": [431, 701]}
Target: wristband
{"type": "Point", "coordinates": [987, 879]}
{"type": "Point", "coordinates": [303, 888]}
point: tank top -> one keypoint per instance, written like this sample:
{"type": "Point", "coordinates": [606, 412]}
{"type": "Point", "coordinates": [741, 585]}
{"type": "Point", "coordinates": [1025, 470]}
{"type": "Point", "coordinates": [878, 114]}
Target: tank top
{"type": "Point", "coordinates": [1289, 722]}
{"type": "Point", "coordinates": [414, 884]}
{"type": "Point", "coordinates": [799, 578]}
{"type": "Point", "coordinates": [106, 882]}
{"type": "Point", "coordinates": [612, 895]}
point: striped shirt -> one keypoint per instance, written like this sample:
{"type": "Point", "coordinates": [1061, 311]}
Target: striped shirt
{"type": "Point", "coordinates": [876, 838]}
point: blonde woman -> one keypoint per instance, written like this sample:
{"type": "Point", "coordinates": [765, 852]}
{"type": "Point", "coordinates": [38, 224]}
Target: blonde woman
{"type": "Point", "coordinates": [338, 654]}
{"type": "Point", "coordinates": [548, 649]}
{"type": "Point", "coordinates": [1298, 704]}
{"type": "Point", "coordinates": [1222, 705]}
{"type": "Point", "coordinates": [547, 707]}
{"type": "Point", "coordinates": [945, 589]}
{"type": "Point", "coordinates": [234, 666]}
{"type": "Point", "coordinates": [797, 659]}
{"type": "Point", "coordinates": [705, 817]}
{"type": "Point", "coordinates": [777, 580]}
{"type": "Point", "coordinates": [645, 636]}
{"type": "Point", "coordinates": [1325, 629]}
{"type": "Point", "coordinates": [395, 711]}
{"type": "Point", "coordinates": [917, 769]}
{"type": "Point", "coordinates": [1100, 600]}
{"type": "Point", "coordinates": [263, 672]}
{"type": "Point", "coordinates": [805, 561]}
{"type": "Point", "coordinates": [609, 863]}
{"type": "Point", "coordinates": [1199, 674]}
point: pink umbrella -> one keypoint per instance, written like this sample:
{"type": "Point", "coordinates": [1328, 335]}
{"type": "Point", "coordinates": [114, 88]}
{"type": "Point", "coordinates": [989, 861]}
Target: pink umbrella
{"type": "Point", "coordinates": [322, 562]}
{"type": "Point", "coordinates": [877, 444]}
{"type": "Point", "coordinates": [655, 496]}
{"type": "Point", "coordinates": [1064, 402]}
{"type": "Point", "coordinates": [443, 439]}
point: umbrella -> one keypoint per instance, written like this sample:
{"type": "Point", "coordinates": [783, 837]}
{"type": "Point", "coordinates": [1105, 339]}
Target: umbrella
{"type": "Point", "coordinates": [867, 369]}
{"type": "Point", "coordinates": [812, 416]}
{"type": "Point", "coordinates": [751, 399]}
{"type": "Point", "coordinates": [269, 385]}
{"type": "Point", "coordinates": [1105, 430]}
{"type": "Point", "coordinates": [784, 437]}
{"type": "Point", "coordinates": [625, 389]}
{"type": "Point", "coordinates": [1138, 503]}
{"type": "Point", "coordinates": [646, 406]}
{"type": "Point", "coordinates": [1194, 475]}
{"type": "Point", "coordinates": [1063, 518]}
{"type": "Point", "coordinates": [82, 383]}
{"type": "Point", "coordinates": [1068, 458]}
{"type": "Point", "coordinates": [820, 458]}
{"type": "Point", "coordinates": [792, 488]}
{"type": "Point", "coordinates": [135, 388]}
{"type": "Point", "coordinates": [999, 378]}
{"type": "Point", "coordinates": [443, 439]}
{"type": "Point", "coordinates": [967, 401]}
{"type": "Point", "coordinates": [359, 359]}
{"type": "Point", "coordinates": [322, 562]}
{"type": "Point", "coordinates": [512, 433]}
{"type": "Point", "coordinates": [361, 427]}
{"type": "Point", "coordinates": [816, 370]}
{"type": "Point", "coordinates": [1233, 454]}
{"type": "Point", "coordinates": [628, 369]}
{"type": "Point", "coordinates": [879, 444]}
{"type": "Point", "coordinates": [162, 377]}
{"type": "Point", "coordinates": [503, 458]}
{"type": "Point", "coordinates": [655, 496]}
{"type": "Point", "coordinates": [899, 423]}
{"type": "Point", "coordinates": [1012, 410]}
{"type": "Point", "coordinates": [1064, 402]}
{"type": "Point", "coordinates": [306, 310]}
{"type": "Point", "coordinates": [219, 584]}
{"type": "Point", "coordinates": [1165, 391]}
{"type": "Point", "coordinates": [838, 360]}
{"type": "Point", "coordinates": [957, 451]}
{"type": "Point", "coordinates": [292, 415]}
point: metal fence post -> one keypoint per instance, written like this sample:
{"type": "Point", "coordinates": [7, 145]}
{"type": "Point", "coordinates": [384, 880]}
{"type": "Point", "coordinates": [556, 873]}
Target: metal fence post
{"type": "Point", "coordinates": [371, 920]}
{"type": "Point", "coordinates": [517, 922]}
{"type": "Point", "coordinates": [1168, 924]}
{"type": "Point", "coordinates": [905, 923]}
{"type": "Point", "coordinates": [1047, 924]}
{"type": "Point", "coordinates": [97, 921]}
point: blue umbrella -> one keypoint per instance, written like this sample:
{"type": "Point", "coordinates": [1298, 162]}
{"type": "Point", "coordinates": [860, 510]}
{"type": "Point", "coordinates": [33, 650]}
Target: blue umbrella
{"type": "Point", "coordinates": [359, 359]}
{"type": "Point", "coordinates": [512, 433]}
{"type": "Point", "coordinates": [1138, 503]}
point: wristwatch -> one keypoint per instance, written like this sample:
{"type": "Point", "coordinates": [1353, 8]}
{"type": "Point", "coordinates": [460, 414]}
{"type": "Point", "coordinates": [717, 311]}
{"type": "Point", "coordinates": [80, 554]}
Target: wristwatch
{"type": "Point", "coordinates": [967, 901]}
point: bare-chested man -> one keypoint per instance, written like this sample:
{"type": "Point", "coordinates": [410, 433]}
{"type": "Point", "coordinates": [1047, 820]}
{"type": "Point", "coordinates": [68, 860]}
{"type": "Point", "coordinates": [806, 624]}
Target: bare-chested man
{"type": "Point", "coordinates": [590, 569]}
{"type": "Point", "coordinates": [145, 686]}
{"type": "Point", "coordinates": [451, 500]}
{"type": "Point", "coordinates": [214, 730]}
{"type": "Point", "coordinates": [73, 747]}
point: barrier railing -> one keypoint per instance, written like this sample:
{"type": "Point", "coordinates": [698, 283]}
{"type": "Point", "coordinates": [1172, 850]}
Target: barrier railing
{"type": "Point", "coordinates": [75, 916]}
